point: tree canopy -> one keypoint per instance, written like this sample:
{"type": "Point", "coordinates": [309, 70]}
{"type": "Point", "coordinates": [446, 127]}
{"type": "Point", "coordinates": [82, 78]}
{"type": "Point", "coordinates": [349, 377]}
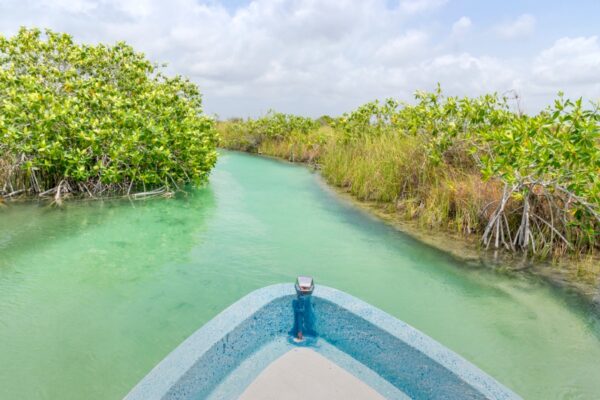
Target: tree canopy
{"type": "Point", "coordinates": [96, 119]}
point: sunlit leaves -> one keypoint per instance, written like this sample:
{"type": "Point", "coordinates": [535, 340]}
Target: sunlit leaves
{"type": "Point", "coordinates": [99, 114]}
{"type": "Point", "coordinates": [549, 161]}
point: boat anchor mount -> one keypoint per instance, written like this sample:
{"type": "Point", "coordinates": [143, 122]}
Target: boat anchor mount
{"type": "Point", "coordinates": [304, 289]}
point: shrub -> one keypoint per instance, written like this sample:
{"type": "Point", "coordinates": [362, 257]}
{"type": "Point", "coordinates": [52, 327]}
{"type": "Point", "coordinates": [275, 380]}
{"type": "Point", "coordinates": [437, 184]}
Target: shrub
{"type": "Point", "coordinates": [472, 165]}
{"type": "Point", "coordinates": [96, 120]}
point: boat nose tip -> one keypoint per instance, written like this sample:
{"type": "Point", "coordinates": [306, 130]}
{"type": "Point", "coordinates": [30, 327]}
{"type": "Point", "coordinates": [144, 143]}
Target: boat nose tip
{"type": "Point", "coordinates": [304, 285]}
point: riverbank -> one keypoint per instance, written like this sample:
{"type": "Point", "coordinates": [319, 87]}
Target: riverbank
{"type": "Point", "coordinates": [514, 187]}
{"type": "Point", "coordinates": [526, 184]}
{"type": "Point", "coordinates": [580, 276]}
{"type": "Point", "coordinates": [115, 280]}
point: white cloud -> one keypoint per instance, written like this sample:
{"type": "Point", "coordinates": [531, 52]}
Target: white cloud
{"type": "Point", "coordinates": [466, 74]}
{"type": "Point", "coordinates": [572, 61]}
{"type": "Point", "coordinates": [461, 26]}
{"type": "Point", "coordinates": [136, 8]}
{"type": "Point", "coordinates": [523, 26]}
{"type": "Point", "coordinates": [405, 48]}
{"type": "Point", "coordinates": [417, 6]}
{"type": "Point", "coordinates": [313, 56]}
{"type": "Point", "coordinates": [72, 6]}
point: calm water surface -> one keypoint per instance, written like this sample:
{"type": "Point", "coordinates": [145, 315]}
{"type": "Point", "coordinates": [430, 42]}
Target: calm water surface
{"type": "Point", "coordinates": [93, 295]}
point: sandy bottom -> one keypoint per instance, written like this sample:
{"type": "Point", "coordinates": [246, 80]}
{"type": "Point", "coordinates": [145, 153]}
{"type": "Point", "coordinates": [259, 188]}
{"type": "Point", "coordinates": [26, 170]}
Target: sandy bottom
{"type": "Point", "coordinates": [304, 374]}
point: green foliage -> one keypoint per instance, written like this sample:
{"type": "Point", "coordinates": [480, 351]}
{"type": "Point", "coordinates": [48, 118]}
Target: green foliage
{"type": "Point", "coordinates": [248, 135]}
{"type": "Point", "coordinates": [96, 118]}
{"type": "Point", "coordinates": [551, 164]}
{"type": "Point", "coordinates": [561, 146]}
{"type": "Point", "coordinates": [278, 125]}
{"type": "Point", "coordinates": [443, 122]}
{"type": "Point", "coordinates": [370, 119]}
{"type": "Point", "coordinates": [470, 164]}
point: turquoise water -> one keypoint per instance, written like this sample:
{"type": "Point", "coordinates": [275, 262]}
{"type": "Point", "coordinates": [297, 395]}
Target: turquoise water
{"type": "Point", "coordinates": [94, 294]}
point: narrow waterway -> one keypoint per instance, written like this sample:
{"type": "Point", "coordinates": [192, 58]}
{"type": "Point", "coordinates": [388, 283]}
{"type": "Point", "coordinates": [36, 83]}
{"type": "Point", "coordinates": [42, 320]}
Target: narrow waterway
{"type": "Point", "coordinates": [94, 294]}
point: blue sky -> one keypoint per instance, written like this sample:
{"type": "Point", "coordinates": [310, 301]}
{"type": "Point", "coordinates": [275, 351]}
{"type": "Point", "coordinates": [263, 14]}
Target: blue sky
{"type": "Point", "coordinates": [317, 57]}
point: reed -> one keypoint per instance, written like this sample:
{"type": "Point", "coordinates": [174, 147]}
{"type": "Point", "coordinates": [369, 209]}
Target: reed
{"type": "Point", "coordinates": [472, 166]}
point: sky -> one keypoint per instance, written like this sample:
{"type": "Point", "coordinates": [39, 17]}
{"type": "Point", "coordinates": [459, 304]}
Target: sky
{"type": "Point", "coordinates": [316, 57]}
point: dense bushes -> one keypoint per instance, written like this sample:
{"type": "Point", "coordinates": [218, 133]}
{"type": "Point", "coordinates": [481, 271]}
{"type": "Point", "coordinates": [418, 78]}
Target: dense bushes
{"type": "Point", "coordinates": [95, 120]}
{"type": "Point", "coordinates": [288, 136]}
{"type": "Point", "coordinates": [467, 164]}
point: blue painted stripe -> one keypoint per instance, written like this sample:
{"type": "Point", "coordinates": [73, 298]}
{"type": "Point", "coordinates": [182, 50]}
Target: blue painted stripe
{"type": "Point", "coordinates": [256, 330]}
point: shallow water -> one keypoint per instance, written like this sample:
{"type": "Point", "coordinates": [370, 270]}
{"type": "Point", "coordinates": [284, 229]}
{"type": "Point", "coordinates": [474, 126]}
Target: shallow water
{"type": "Point", "coordinates": [93, 295]}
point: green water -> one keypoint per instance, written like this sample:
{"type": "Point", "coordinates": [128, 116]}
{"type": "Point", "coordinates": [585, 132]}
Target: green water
{"type": "Point", "coordinates": [93, 295]}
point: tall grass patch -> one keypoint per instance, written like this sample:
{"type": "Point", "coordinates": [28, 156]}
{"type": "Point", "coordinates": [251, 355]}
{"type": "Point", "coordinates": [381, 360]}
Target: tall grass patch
{"type": "Point", "coordinates": [468, 165]}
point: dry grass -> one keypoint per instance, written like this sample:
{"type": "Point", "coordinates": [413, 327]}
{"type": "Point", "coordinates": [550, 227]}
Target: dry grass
{"type": "Point", "coordinates": [13, 179]}
{"type": "Point", "coordinates": [387, 169]}
{"type": "Point", "coordinates": [396, 170]}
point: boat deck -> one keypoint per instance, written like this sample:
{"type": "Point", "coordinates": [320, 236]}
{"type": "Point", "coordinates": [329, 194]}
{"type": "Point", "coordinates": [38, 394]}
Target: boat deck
{"type": "Point", "coordinates": [353, 351]}
{"type": "Point", "coordinates": [303, 373]}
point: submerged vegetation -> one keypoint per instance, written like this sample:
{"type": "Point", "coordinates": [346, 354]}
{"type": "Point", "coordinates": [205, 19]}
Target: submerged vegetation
{"type": "Point", "coordinates": [472, 165]}
{"type": "Point", "coordinates": [96, 120]}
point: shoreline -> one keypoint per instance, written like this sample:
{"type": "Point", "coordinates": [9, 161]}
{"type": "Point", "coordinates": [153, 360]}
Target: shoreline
{"type": "Point", "coordinates": [470, 252]}
{"type": "Point", "coordinates": [568, 274]}
{"type": "Point", "coordinates": [563, 275]}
